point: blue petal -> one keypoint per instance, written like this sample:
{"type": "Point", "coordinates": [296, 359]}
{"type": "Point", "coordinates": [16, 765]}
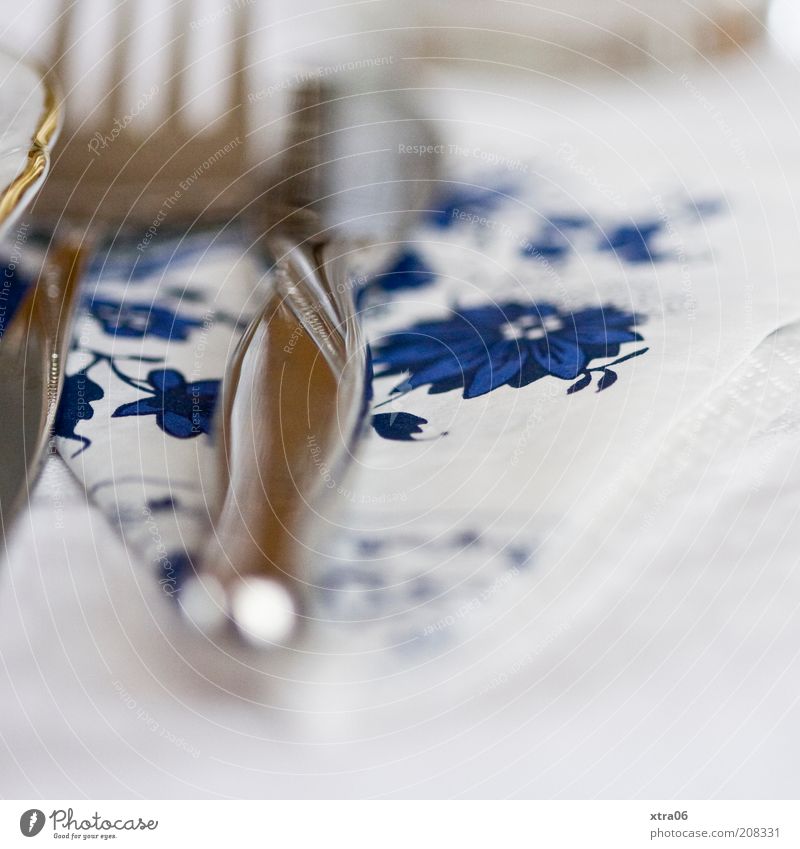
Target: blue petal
{"type": "Point", "coordinates": [607, 336]}
{"type": "Point", "coordinates": [548, 250]}
{"type": "Point", "coordinates": [165, 379]}
{"type": "Point", "coordinates": [456, 328]}
{"type": "Point", "coordinates": [505, 362]}
{"type": "Point", "coordinates": [208, 388]}
{"type": "Point", "coordinates": [142, 407]}
{"type": "Point", "coordinates": [419, 355]}
{"type": "Point", "coordinates": [602, 317]}
{"type": "Point", "coordinates": [631, 242]}
{"type": "Point", "coordinates": [574, 222]}
{"type": "Point", "coordinates": [558, 356]}
{"type": "Point", "coordinates": [176, 425]}
{"type": "Point", "coordinates": [445, 369]}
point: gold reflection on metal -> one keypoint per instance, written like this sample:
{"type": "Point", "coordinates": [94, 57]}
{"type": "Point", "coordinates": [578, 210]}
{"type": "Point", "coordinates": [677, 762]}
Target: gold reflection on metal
{"type": "Point", "coordinates": [17, 191]}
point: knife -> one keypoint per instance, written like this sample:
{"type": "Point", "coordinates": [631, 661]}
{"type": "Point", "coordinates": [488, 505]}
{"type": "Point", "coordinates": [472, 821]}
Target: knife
{"type": "Point", "coordinates": [34, 333]}
{"type": "Point", "coordinates": [33, 348]}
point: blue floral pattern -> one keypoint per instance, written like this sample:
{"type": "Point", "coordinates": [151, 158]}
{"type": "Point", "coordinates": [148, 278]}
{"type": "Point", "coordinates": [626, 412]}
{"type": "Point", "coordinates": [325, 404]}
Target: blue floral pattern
{"type": "Point", "coordinates": [466, 200]}
{"type": "Point", "coordinates": [137, 320]}
{"type": "Point", "coordinates": [633, 242]}
{"type": "Point", "coordinates": [182, 409]}
{"type": "Point", "coordinates": [159, 313]}
{"type": "Point", "coordinates": [75, 406]}
{"type": "Point", "coordinates": [479, 349]}
{"type": "Point", "coordinates": [408, 271]}
{"type": "Point", "coordinates": [551, 240]}
{"type": "Point", "coordinates": [552, 237]}
{"type": "Point", "coordinates": [122, 260]}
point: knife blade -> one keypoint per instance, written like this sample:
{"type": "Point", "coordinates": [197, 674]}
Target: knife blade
{"type": "Point", "coordinates": [33, 348]}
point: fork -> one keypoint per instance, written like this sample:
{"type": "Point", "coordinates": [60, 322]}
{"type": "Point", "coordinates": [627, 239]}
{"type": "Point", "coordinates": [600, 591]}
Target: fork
{"type": "Point", "coordinates": [268, 498]}
{"type": "Point", "coordinates": [294, 400]}
{"type": "Point", "coordinates": [125, 185]}
{"type": "Point", "coordinates": [136, 180]}
{"type": "Point", "coordinates": [97, 193]}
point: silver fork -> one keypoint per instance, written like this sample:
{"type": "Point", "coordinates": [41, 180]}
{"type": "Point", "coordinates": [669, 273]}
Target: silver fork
{"type": "Point", "coordinates": [124, 188]}
{"type": "Point", "coordinates": [127, 183]}
{"type": "Point", "coordinates": [294, 397]}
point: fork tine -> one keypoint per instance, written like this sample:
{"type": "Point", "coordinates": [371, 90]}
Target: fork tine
{"type": "Point", "coordinates": [60, 46]}
{"type": "Point", "coordinates": [238, 88]}
{"type": "Point", "coordinates": [176, 78]}
{"type": "Point", "coordinates": [119, 61]}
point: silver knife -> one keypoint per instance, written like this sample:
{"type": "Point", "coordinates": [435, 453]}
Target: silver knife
{"type": "Point", "coordinates": [33, 349]}
{"type": "Point", "coordinates": [33, 332]}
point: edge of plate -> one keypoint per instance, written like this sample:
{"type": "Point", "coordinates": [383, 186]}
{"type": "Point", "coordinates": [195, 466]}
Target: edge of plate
{"type": "Point", "coordinates": [18, 191]}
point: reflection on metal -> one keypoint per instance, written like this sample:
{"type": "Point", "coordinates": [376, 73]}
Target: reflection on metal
{"type": "Point", "coordinates": [16, 194]}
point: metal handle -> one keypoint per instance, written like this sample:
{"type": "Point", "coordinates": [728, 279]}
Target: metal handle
{"type": "Point", "coordinates": [292, 407]}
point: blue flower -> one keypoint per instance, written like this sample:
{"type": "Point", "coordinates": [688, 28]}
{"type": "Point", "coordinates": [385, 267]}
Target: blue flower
{"type": "Point", "coordinates": [139, 320]}
{"type": "Point", "coordinates": [181, 409]}
{"type": "Point", "coordinates": [481, 348]}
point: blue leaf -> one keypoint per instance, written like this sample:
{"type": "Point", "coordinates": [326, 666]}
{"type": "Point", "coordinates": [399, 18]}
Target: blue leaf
{"type": "Point", "coordinates": [75, 406]}
{"type": "Point", "coordinates": [465, 202]}
{"type": "Point", "coordinates": [137, 408]}
{"type": "Point", "coordinates": [581, 384]}
{"type": "Point", "coordinates": [408, 272]}
{"type": "Point", "coordinates": [609, 378]}
{"type": "Point", "coordinates": [631, 242]}
{"type": "Point", "coordinates": [397, 426]}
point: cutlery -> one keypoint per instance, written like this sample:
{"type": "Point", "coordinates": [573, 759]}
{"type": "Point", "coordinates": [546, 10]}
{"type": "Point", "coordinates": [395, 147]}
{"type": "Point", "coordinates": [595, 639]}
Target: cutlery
{"type": "Point", "coordinates": [32, 344]}
{"type": "Point", "coordinates": [93, 193]}
{"type": "Point", "coordinates": [294, 396]}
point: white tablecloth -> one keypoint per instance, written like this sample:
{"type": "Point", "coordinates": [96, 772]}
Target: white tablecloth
{"type": "Point", "coordinates": [652, 651]}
